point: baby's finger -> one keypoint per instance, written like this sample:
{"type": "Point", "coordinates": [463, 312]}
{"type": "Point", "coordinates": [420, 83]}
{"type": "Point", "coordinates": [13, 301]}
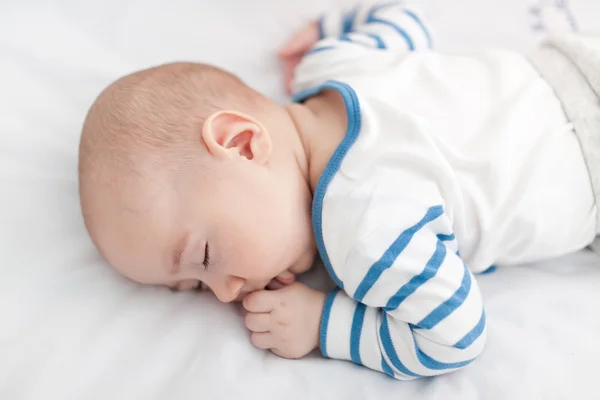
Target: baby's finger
{"type": "Point", "coordinates": [301, 41]}
{"type": "Point", "coordinates": [288, 76]}
{"type": "Point", "coordinates": [262, 301]}
{"type": "Point", "coordinates": [289, 67]}
{"type": "Point", "coordinates": [280, 353]}
{"type": "Point", "coordinates": [258, 322]}
{"type": "Point", "coordinates": [262, 340]}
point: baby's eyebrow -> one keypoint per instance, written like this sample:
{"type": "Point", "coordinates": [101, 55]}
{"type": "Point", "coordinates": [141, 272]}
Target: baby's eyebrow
{"type": "Point", "coordinates": [175, 266]}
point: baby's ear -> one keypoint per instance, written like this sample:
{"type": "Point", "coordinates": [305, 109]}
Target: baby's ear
{"type": "Point", "coordinates": [233, 134]}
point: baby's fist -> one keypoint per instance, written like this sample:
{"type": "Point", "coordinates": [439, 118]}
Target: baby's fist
{"type": "Point", "coordinates": [285, 321]}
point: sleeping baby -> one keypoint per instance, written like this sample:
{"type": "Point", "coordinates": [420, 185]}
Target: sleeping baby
{"type": "Point", "coordinates": [406, 170]}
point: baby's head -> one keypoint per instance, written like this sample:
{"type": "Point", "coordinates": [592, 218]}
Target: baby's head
{"type": "Point", "coordinates": [188, 176]}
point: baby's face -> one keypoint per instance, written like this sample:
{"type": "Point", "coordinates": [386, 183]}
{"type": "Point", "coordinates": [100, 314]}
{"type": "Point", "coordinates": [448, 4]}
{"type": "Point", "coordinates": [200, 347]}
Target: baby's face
{"type": "Point", "coordinates": [231, 231]}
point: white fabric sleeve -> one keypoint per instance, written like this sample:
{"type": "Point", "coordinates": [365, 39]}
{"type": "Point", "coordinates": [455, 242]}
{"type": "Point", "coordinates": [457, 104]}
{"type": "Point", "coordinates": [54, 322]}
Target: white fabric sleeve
{"type": "Point", "coordinates": [364, 39]}
{"type": "Point", "coordinates": [413, 311]}
{"type": "Point", "coordinates": [384, 26]}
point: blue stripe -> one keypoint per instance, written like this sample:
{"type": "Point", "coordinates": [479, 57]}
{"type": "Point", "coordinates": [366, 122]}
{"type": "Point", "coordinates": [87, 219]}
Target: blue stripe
{"type": "Point", "coordinates": [372, 19]}
{"type": "Point", "coordinates": [473, 335]}
{"type": "Point", "coordinates": [388, 346]}
{"type": "Point", "coordinates": [489, 270]}
{"type": "Point", "coordinates": [438, 365]}
{"type": "Point", "coordinates": [431, 268]}
{"type": "Point", "coordinates": [318, 49]}
{"type": "Point", "coordinates": [382, 6]}
{"type": "Point", "coordinates": [349, 21]}
{"type": "Point", "coordinates": [390, 255]}
{"type": "Point", "coordinates": [378, 40]}
{"type": "Point", "coordinates": [422, 25]}
{"type": "Point", "coordinates": [401, 32]}
{"type": "Point", "coordinates": [449, 306]}
{"type": "Point", "coordinates": [354, 124]}
{"type": "Point", "coordinates": [446, 238]}
{"type": "Point", "coordinates": [356, 332]}
{"type": "Point", "coordinates": [345, 38]}
{"type": "Point", "coordinates": [380, 43]}
{"type": "Point", "coordinates": [325, 321]}
{"type": "Point", "coordinates": [321, 28]}
{"type": "Point", "coordinates": [386, 368]}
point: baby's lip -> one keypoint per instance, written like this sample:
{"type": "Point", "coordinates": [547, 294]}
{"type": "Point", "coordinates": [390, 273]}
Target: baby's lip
{"type": "Point", "coordinates": [286, 277]}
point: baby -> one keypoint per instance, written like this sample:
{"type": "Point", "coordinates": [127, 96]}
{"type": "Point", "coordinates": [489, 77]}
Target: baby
{"type": "Point", "coordinates": [407, 170]}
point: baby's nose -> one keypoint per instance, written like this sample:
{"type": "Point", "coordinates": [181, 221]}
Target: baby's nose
{"type": "Point", "coordinates": [229, 289]}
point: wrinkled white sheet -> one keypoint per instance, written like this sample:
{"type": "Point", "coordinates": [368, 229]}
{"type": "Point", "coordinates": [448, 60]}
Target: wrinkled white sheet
{"type": "Point", "coordinates": [71, 328]}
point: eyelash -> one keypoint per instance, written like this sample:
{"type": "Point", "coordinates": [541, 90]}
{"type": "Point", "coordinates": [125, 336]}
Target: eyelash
{"type": "Point", "coordinates": [206, 261]}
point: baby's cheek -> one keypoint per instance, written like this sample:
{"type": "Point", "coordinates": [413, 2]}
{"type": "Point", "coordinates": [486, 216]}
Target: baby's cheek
{"type": "Point", "coordinates": [304, 263]}
{"type": "Point", "coordinates": [262, 275]}
{"type": "Point", "coordinates": [256, 266]}
{"type": "Point", "coordinates": [188, 284]}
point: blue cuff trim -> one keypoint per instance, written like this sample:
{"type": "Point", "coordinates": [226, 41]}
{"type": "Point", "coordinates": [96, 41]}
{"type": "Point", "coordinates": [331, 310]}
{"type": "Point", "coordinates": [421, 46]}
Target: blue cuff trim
{"type": "Point", "coordinates": [325, 321]}
{"type": "Point", "coordinates": [356, 332]}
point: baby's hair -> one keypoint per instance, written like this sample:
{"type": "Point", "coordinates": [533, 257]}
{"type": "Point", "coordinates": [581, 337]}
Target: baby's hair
{"type": "Point", "coordinates": [160, 110]}
{"type": "Point", "coordinates": [152, 120]}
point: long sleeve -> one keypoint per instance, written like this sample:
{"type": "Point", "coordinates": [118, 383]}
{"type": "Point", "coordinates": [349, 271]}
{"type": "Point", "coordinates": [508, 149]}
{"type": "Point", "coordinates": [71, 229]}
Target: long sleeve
{"type": "Point", "coordinates": [385, 26]}
{"type": "Point", "coordinates": [411, 310]}
{"type": "Point", "coordinates": [361, 40]}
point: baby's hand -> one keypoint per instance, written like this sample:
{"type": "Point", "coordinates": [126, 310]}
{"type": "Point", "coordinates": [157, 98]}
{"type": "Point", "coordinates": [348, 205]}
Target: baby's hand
{"type": "Point", "coordinates": [293, 51]}
{"type": "Point", "coordinates": [285, 321]}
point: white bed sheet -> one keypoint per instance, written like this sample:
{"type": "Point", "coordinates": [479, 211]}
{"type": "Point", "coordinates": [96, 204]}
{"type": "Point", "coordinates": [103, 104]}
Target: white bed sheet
{"type": "Point", "coordinates": [71, 328]}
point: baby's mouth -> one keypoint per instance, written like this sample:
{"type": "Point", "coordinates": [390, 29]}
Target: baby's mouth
{"type": "Point", "coordinates": [276, 283]}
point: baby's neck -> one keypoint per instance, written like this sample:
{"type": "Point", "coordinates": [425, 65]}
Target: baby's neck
{"type": "Point", "coordinates": [321, 123]}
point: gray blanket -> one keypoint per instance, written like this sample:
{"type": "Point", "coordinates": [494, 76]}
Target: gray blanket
{"type": "Point", "coordinates": [571, 65]}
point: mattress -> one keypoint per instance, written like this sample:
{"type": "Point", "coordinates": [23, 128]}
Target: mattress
{"type": "Point", "coordinates": [71, 328]}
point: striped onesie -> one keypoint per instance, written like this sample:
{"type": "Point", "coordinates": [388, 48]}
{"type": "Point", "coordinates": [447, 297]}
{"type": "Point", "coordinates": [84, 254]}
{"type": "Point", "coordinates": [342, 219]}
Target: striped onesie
{"type": "Point", "coordinates": [448, 166]}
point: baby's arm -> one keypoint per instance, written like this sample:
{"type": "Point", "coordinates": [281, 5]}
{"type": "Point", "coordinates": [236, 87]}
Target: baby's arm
{"type": "Point", "coordinates": [413, 311]}
{"type": "Point", "coordinates": [391, 26]}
